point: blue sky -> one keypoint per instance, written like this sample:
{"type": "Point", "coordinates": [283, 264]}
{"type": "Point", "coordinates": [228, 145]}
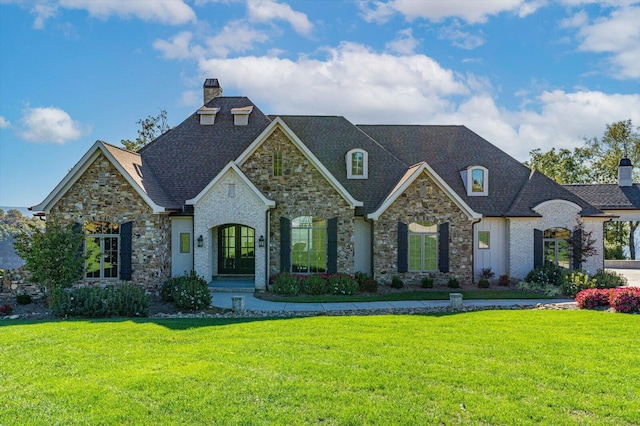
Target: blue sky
{"type": "Point", "coordinates": [523, 74]}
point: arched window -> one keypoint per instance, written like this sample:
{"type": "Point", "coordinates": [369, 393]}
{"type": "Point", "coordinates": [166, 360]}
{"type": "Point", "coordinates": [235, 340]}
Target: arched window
{"type": "Point", "coordinates": [556, 247]}
{"type": "Point", "coordinates": [308, 244]}
{"type": "Point", "coordinates": [477, 181]}
{"type": "Point", "coordinates": [357, 164]}
{"type": "Point", "coordinates": [423, 246]}
{"type": "Point", "coordinates": [101, 247]}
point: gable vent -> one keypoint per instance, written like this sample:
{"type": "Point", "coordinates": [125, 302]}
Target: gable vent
{"type": "Point", "coordinates": [102, 178]}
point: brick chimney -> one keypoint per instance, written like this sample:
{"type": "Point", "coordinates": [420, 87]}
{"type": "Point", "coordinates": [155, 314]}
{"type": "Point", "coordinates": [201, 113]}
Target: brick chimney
{"type": "Point", "coordinates": [211, 89]}
{"type": "Point", "coordinates": [625, 169]}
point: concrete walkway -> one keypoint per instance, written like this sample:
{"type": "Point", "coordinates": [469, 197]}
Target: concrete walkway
{"type": "Point", "coordinates": [251, 303]}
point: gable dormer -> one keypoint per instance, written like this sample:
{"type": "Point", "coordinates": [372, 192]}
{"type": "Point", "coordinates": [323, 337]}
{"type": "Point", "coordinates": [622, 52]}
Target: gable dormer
{"type": "Point", "coordinates": [241, 115]}
{"type": "Point", "coordinates": [357, 162]}
{"type": "Point", "coordinates": [207, 115]}
{"type": "Point", "coordinates": [476, 181]}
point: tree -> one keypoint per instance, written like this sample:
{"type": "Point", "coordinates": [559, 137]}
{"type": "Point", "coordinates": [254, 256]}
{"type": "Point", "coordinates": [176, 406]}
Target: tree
{"type": "Point", "coordinates": [53, 256]}
{"type": "Point", "coordinates": [151, 128]}
{"type": "Point", "coordinates": [563, 166]}
{"type": "Point", "coordinates": [582, 243]}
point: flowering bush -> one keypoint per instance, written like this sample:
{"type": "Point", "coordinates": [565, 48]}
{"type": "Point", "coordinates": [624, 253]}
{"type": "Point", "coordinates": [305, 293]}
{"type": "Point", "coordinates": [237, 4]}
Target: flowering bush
{"type": "Point", "coordinates": [314, 285]}
{"type": "Point", "coordinates": [343, 284]}
{"type": "Point", "coordinates": [187, 292]}
{"type": "Point", "coordinates": [625, 299]}
{"type": "Point", "coordinates": [577, 281]}
{"type": "Point", "coordinates": [286, 284]}
{"type": "Point", "coordinates": [609, 279]}
{"type": "Point", "coordinates": [592, 298]}
{"type": "Point", "coordinates": [547, 274]}
{"type": "Point", "coordinates": [6, 309]}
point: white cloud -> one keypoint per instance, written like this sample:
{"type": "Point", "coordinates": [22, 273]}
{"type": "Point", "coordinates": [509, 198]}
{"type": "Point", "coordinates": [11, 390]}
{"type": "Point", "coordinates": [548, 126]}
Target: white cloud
{"type": "Point", "coordinates": [404, 44]}
{"type": "Point", "coordinates": [172, 12]}
{"type": "Point", "coordinates": [178, 47]}
{"type": "Point", "coordinates": [459, 38]}
{"type": "Point", "coordinates": [4, 123]}
{"type": "Point", "coordinates": [578, 20]}
{"type": "Point", "coordinates": [50, 124]}
{"type": "Point", "coordinates": [619, 35]}
{"type": "Point", "coordinates": [42, 12]}
{"type": "Point", "coordinates": [469, 11]}
{"type": "Point", "coordinates": [269, 10]}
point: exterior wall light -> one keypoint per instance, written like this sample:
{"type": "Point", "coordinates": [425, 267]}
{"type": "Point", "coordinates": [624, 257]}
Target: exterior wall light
{"type": "Point", "coordinates": [200, 241]}
{"type": "Point", "coordinates": [261, 241]}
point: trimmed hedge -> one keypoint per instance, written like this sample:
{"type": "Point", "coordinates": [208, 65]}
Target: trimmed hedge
{"type": "Point", "coordinates": [317, 284]}
{"type": "Point", "coordinates": [123, 300]}
{"type": "Point", "coordinates": [622, 299]}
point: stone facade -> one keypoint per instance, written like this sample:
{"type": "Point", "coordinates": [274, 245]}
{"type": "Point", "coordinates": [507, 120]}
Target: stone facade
{"type": "Point", "coordinates": [423, 200]}
{"type": "Point", "coordinates": [301, 191]}
{"type": "Point", "coordinates": [102, 194]}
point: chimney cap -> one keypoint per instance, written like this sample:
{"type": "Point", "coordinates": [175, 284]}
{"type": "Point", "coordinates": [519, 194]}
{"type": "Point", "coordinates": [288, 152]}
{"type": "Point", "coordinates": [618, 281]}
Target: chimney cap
{"type": "Point", "coordinates": [211, 82]}
{"type": "Point", "coordinates": [625, 162]}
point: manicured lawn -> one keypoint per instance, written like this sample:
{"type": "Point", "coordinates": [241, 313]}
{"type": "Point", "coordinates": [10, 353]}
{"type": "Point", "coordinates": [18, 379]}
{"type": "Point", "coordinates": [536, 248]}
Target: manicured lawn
{"type": "Point", "coordinates": [485, 367]}
{"type": "Point", "coordinates": [407, 295]}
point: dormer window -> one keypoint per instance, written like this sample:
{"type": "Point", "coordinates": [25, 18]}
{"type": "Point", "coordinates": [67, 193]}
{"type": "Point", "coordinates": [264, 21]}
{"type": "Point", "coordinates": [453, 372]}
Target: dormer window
{"type": "Point", "coordinates": [241, 115]}
{"type": "Point", "coordinates": [357, 164]}
{"type": "Point", "coordinates": [476, 181]}
{"type": "Point", "coordinates": [207, 115]}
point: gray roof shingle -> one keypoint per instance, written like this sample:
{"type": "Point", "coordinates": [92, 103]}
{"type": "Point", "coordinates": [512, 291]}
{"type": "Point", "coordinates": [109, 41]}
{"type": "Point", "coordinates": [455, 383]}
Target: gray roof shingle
{"type": "Point", "coordinates": [608, 196]}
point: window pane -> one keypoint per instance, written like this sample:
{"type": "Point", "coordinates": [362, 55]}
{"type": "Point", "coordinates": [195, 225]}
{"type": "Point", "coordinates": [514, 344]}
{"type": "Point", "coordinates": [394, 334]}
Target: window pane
{"type": "Point", "coordinates": [185, 243]}
{"type": "Point", "coordinates": [563, 253]}
{"type": "Point", "coordinates": [308, 244]}
{"type": "Point", "coordinates": [92, 265]}
{"type": "Point", "coordinates": [483, 239]}
{"type": "Point", "coordinates": [415, 253]}
{"type": "Point", "coordinates": [277, 163]}
{"type": "Point", "coordinates": [357, 163]}
{"type": "Point", "coordinates": [477, 176]}
{"type": "Point", "coordinates": [550, 251]}
{"type": "Point", "coordinates": [430, 252]}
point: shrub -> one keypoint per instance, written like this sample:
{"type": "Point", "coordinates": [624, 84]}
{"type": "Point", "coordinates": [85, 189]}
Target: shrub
{"type": "Point", "coordinates": [187, 292]}
{"type": "Point", "coordinates": [625, 299]}
{"type": "Point", "coordinates": [487, 274]}
{"type": "Point", "coordinates": [343, 284]}
{"type": "Point", "coordinates": [504, 280]}
{"type": "Point", "coordinates": [314, 285]}
{"type": "Point", "coordinates": [360, 277]}
{"type": "Point", "coordinates": [547, 290]}
{"type": "Point", "coordinates": [369, 286]}
{"type": "Point", "coordinates": [23, 299]}
{"type": "Point", "coordinates": [124, 300]}
{"type": "Point", "coordinates": [453, 283]}
{"type": "Point", "coordinates": [426, 282]}
{"type": "Point", "coordinates": [592, 298]}
{"type": "Point", "coordinates": [286, 284]}
{"type": "Point", "coordinates": [396, 282]}
{"type": "Point", "coordinates": [547, 274]}
{"type": "Point", "coordinates": [577, 281]}
{"type": "Point", "coordinates": [483, 283]}
{"type": "Point", "coordinates": [6, 309]}
{"type": "Point", "coordinates": [609, 279]}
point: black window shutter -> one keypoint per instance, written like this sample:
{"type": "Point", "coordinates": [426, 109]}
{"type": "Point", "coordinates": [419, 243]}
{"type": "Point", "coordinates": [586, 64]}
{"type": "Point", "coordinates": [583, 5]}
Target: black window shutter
{"type": "Point", "coordinates": [538, 251]}
{"type": "Point", "coordinates": [577, 248]}
{"type": "Point", "coordinates": [403, 247]}
{"type": "Point", "coordinates": [443, 247]}
{"type": "Point", "coordinates": [332, 245]}
{"type": "Point", "coordinates": [285, 245]}
{"type": "Point", "coordinates": [125, 250]}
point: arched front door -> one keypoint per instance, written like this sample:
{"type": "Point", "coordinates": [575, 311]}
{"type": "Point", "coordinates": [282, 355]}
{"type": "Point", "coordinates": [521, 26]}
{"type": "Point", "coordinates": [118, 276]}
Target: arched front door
{"type": "Point", "coordinates": [236, 250]}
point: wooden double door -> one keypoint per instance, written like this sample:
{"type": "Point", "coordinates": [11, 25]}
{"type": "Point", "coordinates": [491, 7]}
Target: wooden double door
{"type": "Point", "coordinates": [236, 250]}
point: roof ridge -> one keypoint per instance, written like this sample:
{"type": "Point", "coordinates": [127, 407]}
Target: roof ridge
{"type": "Point", "coordinates": [518, 197]}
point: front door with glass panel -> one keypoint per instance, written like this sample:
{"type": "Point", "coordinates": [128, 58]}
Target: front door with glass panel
{"type": "Point", "coordinates": [236, 250]}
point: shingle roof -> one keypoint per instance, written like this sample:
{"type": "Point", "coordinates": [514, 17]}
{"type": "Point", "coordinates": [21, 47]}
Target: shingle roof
{"type": "Point", "coordinates": [608, 196]}
{"type": "Point", "coordinates": [186, 158]}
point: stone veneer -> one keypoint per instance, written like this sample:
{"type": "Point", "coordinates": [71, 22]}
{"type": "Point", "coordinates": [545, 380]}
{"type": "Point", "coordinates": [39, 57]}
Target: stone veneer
{"type": "Point", "coordinates": [117, 202]}
{"type": "Point", "coordinates": [435, 206]}
{"type": "Point", "coordinates": [302, 191]}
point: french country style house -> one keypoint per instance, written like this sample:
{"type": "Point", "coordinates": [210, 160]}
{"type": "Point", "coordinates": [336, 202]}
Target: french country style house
{"type": "Point", "coordinates": [231, 191]}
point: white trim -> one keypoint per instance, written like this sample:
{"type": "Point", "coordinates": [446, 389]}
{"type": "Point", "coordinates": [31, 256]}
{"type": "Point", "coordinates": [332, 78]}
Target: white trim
{"type": "Point", "coordinates": [557, 200]}
{"type": "Point", "coordinates": [424, 167]}
{"type": "Point", "coordinates": [365, 164]}
{"type": "Point", "coordinates": [78, 170]}
{"type": "Point", "coordinates": [278, 122]}
{"type": "Point", "coordinates": [469, 182]}
{"type": "Point", "coordinates": [231, 166]}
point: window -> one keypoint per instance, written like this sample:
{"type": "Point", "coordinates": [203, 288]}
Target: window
{"type": "Point", "coordinates": [357, 164]}
{"type": "Point", "coordinates": [277, 163]}
{"type": "Point", "coordinates": [483, 240]}
{"type": "Point", "coordinates": [476, 179]}
{"type": "Point", "coordinates": [308, 245]}
{"type": "Point", "coordinates": [423, 246]}
{"type": "Point", "coordinates": [101, 245]}
{"type": "Point", "coordinates": [556, 247]}
{"type": "Point", "coordinates": [185, 243]}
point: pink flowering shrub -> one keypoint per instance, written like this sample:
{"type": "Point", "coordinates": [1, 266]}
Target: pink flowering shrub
{"type": "Point", "coordinates": [626, 299]}
{"type": "Point", "coordinates": [592, 298]}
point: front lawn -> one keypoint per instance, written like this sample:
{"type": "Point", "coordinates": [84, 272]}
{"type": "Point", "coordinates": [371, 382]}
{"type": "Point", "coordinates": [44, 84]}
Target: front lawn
{"type": "Point", "coordinates": [485, 367]}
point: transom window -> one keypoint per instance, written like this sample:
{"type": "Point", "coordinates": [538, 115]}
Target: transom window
{"type": "Point", "coordinates": [357, 164]}
{"type": "Point", "coordinates": [423, 246]}
{"type": "Point", "coordinates": [277, 163]}
{"type": "Point", "coordinates": [101, 247]}
{"type": "Point", "coordinates": [556, 247]}
{"type": "Point", "coordinates": [308, 244]}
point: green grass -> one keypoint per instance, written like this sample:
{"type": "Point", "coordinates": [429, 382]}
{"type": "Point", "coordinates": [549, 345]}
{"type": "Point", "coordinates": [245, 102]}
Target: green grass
{"type": "Point", "coordinates": [485, 367]}
{"type": "Point", "coordinates": [406, 295]}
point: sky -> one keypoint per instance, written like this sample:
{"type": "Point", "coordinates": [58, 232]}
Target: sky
{"type": "Point", "coordinates": [523, 74]}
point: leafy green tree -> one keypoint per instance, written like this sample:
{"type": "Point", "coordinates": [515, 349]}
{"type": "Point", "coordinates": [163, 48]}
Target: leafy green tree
{"type": "Point", "coordinates": [564, 166]}
{"type": "Point", "coordinates": [150, 128]}
{"type": "Point", "coordinates": [53, 256]}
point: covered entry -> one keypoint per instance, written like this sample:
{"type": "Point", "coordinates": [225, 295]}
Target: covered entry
{"type": "Point", "coordinates": [236, 250]}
